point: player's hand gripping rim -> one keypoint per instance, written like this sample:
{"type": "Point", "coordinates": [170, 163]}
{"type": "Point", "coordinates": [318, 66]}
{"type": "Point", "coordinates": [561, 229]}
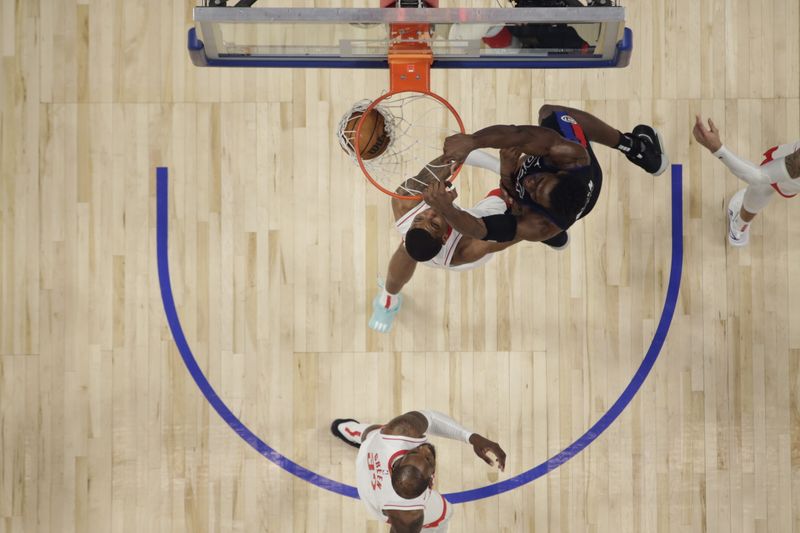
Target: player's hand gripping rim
{"type": "Point", "coordinates": [457, 147]}
{"type": "Point", "coordinates": [440, 195]}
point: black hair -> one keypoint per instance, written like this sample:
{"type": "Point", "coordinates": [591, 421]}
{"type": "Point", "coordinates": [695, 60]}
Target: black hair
{"type": "Point", "coordinates": [421, 245]}
{"type": "Point", "coordinates": [570, 196]}
{"type": "Point", "coordinates": [408, 481]}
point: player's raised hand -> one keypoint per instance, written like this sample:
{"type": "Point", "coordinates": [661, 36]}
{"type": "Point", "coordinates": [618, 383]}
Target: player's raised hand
{"type": "Point", "coordinates": [509, 161]}
{"type": "Point", "coordinates": [707, 137]}
{"type": "Point", "coordinates": [457, 147]}
{"type": "Point", "coordinates": [483, 447]}
{"type": "Point", "coordinates": [439, 195]}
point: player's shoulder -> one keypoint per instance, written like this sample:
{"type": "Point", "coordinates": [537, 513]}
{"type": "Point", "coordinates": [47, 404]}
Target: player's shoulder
{"type": "Point", "coordinates": [412, 425]}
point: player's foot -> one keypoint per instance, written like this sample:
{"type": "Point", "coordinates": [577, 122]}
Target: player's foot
{"type": "Point", "coordinates": [738, 230]}
{"type": "Point", "coordinates": [652, 159]}
{"type": "Point", "coordinates": [340, 430]}
{"type": "Point", "coordinates": [383, 316]}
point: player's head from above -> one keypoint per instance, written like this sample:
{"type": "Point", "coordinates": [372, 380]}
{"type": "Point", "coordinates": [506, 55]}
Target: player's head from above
{"type": "Point", "coordinates": [563, 193]}
{"type": "Point", "coordinates": [412, 474]}
{"type": "Point", "coordinates": [427, 235]}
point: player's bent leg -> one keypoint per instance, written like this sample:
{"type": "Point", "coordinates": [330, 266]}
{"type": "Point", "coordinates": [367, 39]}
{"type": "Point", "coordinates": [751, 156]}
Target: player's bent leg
{"type": "Point", "coordinates": [738, 229]}
{"type": "Point", "coordinates": [388, 301]}
{"type": "Point", "coordinates": [755, 199]}
{"type": "Point", "coordinates": [742, 209]}
{"type": "Point", "coordinates": [643, 146]}
{"type": "Point", "coordinates": [596, 130]}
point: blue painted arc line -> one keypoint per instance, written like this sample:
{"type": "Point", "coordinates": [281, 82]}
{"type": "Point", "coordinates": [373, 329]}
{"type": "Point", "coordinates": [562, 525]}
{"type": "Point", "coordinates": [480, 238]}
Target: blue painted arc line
{"type": "Point", "coordinates": [670, 301]}
{"type": "Point", "coordinates": [676, 268]}
{"type": "Point", "coordinates": [162, 186]}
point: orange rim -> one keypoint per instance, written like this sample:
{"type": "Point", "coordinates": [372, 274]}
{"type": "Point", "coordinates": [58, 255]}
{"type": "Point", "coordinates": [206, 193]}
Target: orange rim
{"type": "Point", "coordinates": [372, 106]}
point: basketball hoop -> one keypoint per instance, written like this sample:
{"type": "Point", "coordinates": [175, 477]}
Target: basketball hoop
{"type": "Point", "coordinates": [416, 119]}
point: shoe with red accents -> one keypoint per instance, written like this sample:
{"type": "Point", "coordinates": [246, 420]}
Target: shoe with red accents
{"type": "Point", "coordinates": [738, 230]}
{"type": "Point", "coordinates": [383, 313]}
{"type": "Point", "coordinates": [346, 429]}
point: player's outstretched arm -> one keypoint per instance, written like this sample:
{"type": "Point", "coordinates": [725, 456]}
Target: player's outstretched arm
{"type": "Point", "coordinates": [707, 137]}
{"type": "Point", "coordinates": [406, 521]}
{"type": "Point", "coordinates": [418, 423]}
{"type": "Point", "coordinates": [532, 140]}
{"type": "Point", "coordinates": [483, 447]}
{"type": "Point", "coordinates": [776, 171]}
{"type": "Point", "coordinates": [441, 425]}
{"type": "Point", "coordinates": [440, 197]}
{"type": "Point", "coordinates": [498, 228]}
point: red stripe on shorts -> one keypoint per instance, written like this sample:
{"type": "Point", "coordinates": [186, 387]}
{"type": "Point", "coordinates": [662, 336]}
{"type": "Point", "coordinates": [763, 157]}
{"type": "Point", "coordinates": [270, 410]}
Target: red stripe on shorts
{"type": "Point", "coordinates": [578, 131]}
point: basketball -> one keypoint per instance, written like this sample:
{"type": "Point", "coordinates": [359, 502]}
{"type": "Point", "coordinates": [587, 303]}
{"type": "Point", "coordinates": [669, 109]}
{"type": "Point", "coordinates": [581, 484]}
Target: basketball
{"type": "Point", "coordinates": [374, 139]}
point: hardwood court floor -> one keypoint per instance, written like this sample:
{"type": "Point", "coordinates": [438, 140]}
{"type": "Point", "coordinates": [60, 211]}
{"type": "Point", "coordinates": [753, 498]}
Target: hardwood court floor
{"type": "Point", "coordinates": [276, 243]}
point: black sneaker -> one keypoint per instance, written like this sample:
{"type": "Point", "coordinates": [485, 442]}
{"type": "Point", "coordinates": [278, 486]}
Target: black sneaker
{"type": "Point", "coordinates": [354, 440]}
{"type": "Point", "coordinates": [653, 160]}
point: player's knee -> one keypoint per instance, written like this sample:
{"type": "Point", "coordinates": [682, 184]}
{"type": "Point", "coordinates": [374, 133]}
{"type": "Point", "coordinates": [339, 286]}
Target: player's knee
{"type": "Point", "coordinates": [545, 111]}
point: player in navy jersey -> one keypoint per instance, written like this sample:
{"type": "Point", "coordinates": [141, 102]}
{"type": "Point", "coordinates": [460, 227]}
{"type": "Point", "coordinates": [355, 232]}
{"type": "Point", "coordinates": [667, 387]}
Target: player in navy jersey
{"type": "Point", "coordinates": [549, 173]}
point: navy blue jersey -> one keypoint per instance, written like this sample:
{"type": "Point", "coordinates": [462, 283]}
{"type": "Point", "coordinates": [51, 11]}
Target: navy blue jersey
{"type": "Point", "coordinates": [567, 127]}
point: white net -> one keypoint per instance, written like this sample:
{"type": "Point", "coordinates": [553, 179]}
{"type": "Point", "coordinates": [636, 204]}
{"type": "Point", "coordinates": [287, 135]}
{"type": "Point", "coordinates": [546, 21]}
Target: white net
{"type": "Point", "coordinates": [417, 125]}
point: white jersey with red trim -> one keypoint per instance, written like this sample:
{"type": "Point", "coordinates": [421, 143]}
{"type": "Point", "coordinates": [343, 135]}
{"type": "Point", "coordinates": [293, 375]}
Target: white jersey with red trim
{"type": "Point", "coordinates": [374, 483]}
{"type": "Point", "coordinates": [492, 204]}
{"type": "Point", "coordinates": [786, 189]}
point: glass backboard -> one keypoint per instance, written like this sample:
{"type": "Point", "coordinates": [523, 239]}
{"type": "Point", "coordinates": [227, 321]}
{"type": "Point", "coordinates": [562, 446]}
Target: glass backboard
{"type": "Point", "coordinates": [563, 37]}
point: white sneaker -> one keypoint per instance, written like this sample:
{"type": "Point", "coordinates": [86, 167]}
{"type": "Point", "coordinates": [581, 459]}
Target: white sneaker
{"type": "Point", "coordinates": [340, 430]}
{"type": "Point", "coordinates": [738, 233]}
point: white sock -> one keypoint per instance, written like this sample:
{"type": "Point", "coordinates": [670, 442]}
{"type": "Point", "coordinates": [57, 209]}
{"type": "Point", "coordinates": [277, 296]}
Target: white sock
{"type": "Point", "coordinates": [738, 224]}
{"type": "Point", "coordinates": [479, 158]}
{"type": "Point", "coordinates": [388, 299]}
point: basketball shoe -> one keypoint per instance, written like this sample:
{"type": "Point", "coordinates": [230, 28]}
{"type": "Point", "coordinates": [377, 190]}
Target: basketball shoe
{"type": "Point", "coordinates": [738, 229]}
{"type": "Point", "coordinates": [340, 430]}
{"type": "Point", "coordinates": [651, 157]}
{"type": "Point", "coordinates": [383, 315]}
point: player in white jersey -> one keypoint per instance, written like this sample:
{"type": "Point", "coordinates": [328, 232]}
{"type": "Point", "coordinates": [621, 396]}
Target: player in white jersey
{"type": "Point", "coordinates": [396, 465]}
{"type": "Point", "coordinates": [430, 240]}
{"type": "Point", "coordinates": [779, 172]}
